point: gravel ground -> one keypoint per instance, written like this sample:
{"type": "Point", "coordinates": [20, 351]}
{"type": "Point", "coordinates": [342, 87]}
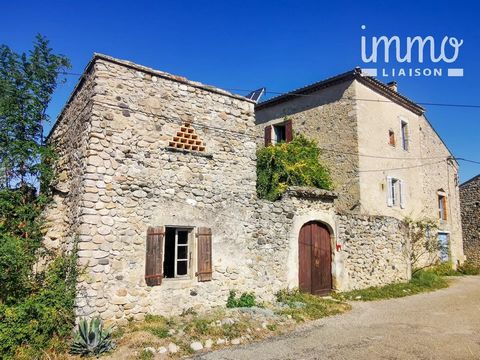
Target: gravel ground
{"type": "Point", "coordinates": [444, 324]}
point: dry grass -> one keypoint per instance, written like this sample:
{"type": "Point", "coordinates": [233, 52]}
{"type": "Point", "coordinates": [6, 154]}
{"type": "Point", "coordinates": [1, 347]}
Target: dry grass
{"type": "Point", "coordinates": [158, 331]}
{"type": "Point", "coordinates": [248, 325]}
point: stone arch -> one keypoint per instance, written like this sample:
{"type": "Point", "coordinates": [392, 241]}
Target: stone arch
{"type": "Point", "coordinates": [314, 263]}
{"type": "Point", "coordinates": [326, 218]}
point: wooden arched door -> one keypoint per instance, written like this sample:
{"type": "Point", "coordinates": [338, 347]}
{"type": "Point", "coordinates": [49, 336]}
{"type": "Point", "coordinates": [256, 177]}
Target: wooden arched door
{"type": "Point", "coordinates": [314, 259]}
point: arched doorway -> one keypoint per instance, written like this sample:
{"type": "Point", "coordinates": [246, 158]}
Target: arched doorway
{"type": "Point", "coordinates": [315, 259]}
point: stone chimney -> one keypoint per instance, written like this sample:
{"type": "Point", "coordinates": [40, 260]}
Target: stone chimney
{"type": "Point", "coordinates": [392, 85]}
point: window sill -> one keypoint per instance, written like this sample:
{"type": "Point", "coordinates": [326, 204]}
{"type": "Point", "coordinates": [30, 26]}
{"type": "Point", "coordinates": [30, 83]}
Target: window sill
{"type": "Point", "coordinates": [188, 152]}
{"type": "Point", "coordinates": [178, 283]}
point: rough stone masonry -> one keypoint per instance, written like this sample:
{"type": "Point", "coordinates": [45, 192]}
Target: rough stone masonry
{"type": "Point", "coordinates": [127, 163]}
{"type": "Point", "coordinates": [470, 206]}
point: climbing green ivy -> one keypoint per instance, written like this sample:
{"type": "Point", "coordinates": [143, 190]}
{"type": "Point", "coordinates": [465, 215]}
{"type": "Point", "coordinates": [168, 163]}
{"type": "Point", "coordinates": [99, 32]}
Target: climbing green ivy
{"type": "Point", "coordinates": [296, 163]}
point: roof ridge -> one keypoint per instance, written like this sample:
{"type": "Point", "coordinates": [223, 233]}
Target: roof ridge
{"type": "Point", "coordinates": [470, 180]}
{"type": "Point", "coordinates": [356, 73]}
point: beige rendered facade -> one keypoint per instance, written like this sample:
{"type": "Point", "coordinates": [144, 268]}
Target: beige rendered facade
{"type": "Point", "coordinates": [384, 155]}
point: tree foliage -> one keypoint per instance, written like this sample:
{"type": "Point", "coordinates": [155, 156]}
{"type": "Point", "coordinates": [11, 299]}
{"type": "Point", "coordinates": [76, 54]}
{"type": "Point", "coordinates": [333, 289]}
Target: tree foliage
{"type": "Point", "coordinates": [35, 306]}
{"type": "Point", "coordinates": [27, 82]}
{"type": "Point", "coordinates": [296, 163]}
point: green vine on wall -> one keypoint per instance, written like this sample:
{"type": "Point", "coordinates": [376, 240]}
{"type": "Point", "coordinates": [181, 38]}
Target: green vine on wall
{"type": "Point", "coordinates": [296, 163]}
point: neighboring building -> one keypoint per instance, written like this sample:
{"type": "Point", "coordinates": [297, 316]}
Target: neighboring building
{"type": "Point", "coordinates": [156, 180]}
{"type": "Point", "coordinates": [470, 205]}
{"type": "Point", "coordinates": [385, 157]}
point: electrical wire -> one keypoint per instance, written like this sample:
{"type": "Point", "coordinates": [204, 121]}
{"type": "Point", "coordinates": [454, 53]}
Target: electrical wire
{"type": "Point", "coordinates": [293, 93]}
{"type": "Point", "coordinates": [180, 122]}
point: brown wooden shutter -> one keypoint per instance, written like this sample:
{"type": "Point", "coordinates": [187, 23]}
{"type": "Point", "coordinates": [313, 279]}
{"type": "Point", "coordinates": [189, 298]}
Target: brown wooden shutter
{"type": "Point", "coordinates": [268, 135]}
{"type": "Point", "coordinates": [288, 131]}
{"type": "Point", "coordinates": [204, 254]}
{"type": "Point", "coordinates": [154, 259]}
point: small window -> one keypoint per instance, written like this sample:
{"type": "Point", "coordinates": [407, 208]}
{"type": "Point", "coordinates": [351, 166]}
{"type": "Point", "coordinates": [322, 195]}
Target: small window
{"type": "Point", "coordinates": [391, 137]}
{"type": "Point", "coordinates": [396, 192]}
{"type": "Point", "coordinates": [442, 207]}
{"type": "Point", "coordinates": [404, 135]}
{"type": "Point", "coordinates": [177, 256]}
{"type": "Point", "coordinates": [279, 133]}
{"type": "Point", "coordinates": [394, 188]}
{"type": "Point", "coordinates": [174, 252]}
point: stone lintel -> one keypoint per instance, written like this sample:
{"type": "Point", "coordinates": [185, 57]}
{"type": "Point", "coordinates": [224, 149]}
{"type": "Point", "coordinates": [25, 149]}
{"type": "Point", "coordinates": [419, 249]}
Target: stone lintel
{"type": "Point", "coordinates": [310, 193]}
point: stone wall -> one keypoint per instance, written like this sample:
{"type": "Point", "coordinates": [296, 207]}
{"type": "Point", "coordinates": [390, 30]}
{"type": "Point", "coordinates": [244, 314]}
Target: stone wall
{"type": "Point", "coordinates": [69, 137]}
{"type": "Point", "coordinates": [441, 175]}
{"type": "Point", "coordinates": [119, 175]}
{"type": "Point", "coordinates": [470, 205]}
{"type": "Point", "coordinates": [374, 250]}
{"type": "Point", "coordinates": [329, 117]}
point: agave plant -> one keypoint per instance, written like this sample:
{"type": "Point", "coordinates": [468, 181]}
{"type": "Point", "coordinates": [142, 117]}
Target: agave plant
{"type": "Point", "coordinates": [91, 338]}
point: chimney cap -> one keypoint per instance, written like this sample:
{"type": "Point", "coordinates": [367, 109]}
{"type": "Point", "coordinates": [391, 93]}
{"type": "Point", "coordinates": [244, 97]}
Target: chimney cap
{"type": "Point", "coordinates": [393, 85]}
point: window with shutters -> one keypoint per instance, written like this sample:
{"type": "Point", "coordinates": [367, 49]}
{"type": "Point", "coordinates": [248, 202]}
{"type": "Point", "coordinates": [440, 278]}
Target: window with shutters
{"type": "Point", "coordinates": [396, 192]}
{"type": "Point", "coordinates": [178, 253]}
{"type": "Point", "coordinates": [278, 133]}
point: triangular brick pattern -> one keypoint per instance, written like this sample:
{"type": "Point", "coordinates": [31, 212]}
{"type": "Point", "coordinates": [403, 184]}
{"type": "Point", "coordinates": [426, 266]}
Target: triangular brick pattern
{"type": "Point", "coordinates": [187, 139]}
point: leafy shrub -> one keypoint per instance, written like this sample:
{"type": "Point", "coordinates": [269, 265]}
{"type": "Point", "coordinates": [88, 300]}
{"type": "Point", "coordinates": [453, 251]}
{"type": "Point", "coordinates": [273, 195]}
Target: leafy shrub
{"type": "Point", "coordinates": [36, 305]}
{"type": "Point", "coordinates": [91, 338]}
{"type": "Point", "coordinates": [443, 269]}
{"type": "Point", "coordinates": [245, 300]}
{"type": "Point", "coordinates": [290, 164]}
{"type": "Point", "coordinates": [469, 268]}
{"type": "Point", "coordinates": [43, 315]}
{"type": "Point", "coordinates": [446, 269]}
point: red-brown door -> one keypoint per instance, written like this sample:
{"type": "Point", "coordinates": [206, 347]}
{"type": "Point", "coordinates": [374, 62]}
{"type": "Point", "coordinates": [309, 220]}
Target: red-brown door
{"type": "Point", "coordinates": [314, 258]}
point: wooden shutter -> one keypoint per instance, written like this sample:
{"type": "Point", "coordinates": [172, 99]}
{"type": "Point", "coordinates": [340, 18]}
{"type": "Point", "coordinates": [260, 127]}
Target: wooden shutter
{"type": "Point", "coordinates": [154, 259]}
{"type": "Point", "coordinates": [204, 242]}
{"type": "Point", "coordinates": [288, 131]}
{"type": "Point", "coordinates": [401, 186]}
{"type": "Point", "coordinates": [268, 135]}
{"type": "Point", "coordinates": [389, 191]}
{"type": "Point", "coordinates": [391, 138]}
{"type": "Point", "coordinates": [444, 201]}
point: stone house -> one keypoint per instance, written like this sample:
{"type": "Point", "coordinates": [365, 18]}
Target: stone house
{"type": "Point", "coordinates": [156, 184]}
{"type": "Point", "coordinates": [385, 157]}
{"type": "Point", "coordinates": [470, 207]}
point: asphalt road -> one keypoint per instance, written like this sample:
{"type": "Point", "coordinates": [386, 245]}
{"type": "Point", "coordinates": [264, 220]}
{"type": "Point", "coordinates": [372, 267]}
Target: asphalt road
{"type": "Point", "coordinates": [444, 324]}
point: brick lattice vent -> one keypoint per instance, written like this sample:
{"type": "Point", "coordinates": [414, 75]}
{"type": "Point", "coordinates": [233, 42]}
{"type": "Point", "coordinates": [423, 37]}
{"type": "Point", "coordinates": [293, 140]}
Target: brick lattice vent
{"type": "Point", "coordinates": [187, 139]}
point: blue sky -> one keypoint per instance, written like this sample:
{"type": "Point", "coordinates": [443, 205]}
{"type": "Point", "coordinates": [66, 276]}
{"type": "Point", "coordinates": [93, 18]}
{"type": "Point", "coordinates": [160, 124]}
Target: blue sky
{"type": "Point", "coordinates": [248, 44]}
